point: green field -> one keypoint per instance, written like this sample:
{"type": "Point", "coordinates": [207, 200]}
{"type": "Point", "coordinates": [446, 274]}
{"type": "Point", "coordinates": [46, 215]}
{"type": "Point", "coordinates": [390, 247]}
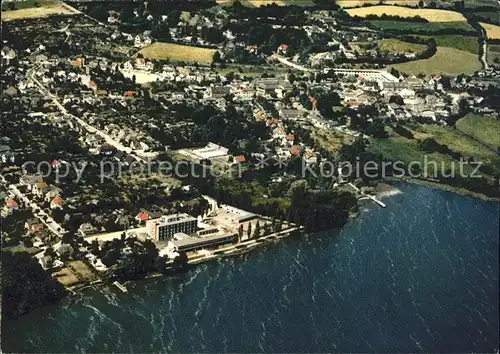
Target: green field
{"type": "Point", "coordinates": [421, 28]}
{"type": "Point", "coordinates": [34, 9]}
{"type": "Point", "coordinates": [446, 61]}
{"type": "Point", "coordinates": [466, 43]}
{"type": "Point", "coordinates": [398, 148]}
{"type": "Point", "coordinates": [493, 53]}
{"type": "Point", "coordinates": [471, 4]}
{"type": "Point", "coordinates": [486, 129]}
{"type": "Point", "coordinates": [490, 17]}
{"type": "Point", "coordinates": [394, 45]}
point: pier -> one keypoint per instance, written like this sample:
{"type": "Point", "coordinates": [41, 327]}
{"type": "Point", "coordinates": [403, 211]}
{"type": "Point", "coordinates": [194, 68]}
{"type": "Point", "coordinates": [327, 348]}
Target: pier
{"type": "Point", "coordinates": [119, 286]}
{"type": "Point", "coordinates": [368, 196]}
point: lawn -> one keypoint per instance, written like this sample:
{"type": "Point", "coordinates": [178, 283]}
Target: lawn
{"type": "Point", "coordinates": [354, 3]}
{"type": "Point", "coordinates": [28, 10]}
{"type": "Point", "coordinates": [492, 31]}
{"type": "Point", "coordinates": [398, 148]}
{"type": "Point", "coordinates": [431, 15]}
{"type": "Point", "coordinates": [177, 52]}
{"type": "Point", "coordinates": [493, 53]}
{"type": "Point", "coordinates": [486, 129]}
{"type": "Point", "coordinates": [394, 45]}
{"type": "Point", "coordinates": [466, 43]}
{"type": "Point", "coordinates": [491, 17]}
{"type": "Point", "coordinates": [422, 28]}
{"type": "Point", "coordinates": [446, 61]}
{"type": "Point", "coordinates": [327, 139]}
{"type": "Point", "coordinates": [461, 143]}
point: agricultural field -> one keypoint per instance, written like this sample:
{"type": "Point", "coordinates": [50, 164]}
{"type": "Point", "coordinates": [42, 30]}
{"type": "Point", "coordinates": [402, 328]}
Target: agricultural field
{"type": "Point", "coordinates": [492, 31]}
{"type": "Point", "coordinates": [33, 9]}
{"type": "Point", "coordinates": [431, 15]}
{"type": "Point", "coordinates": [422, 28]}
{"type": "Point", "coordinates": [483, 128]}
{"type": "Point", "coordinates": [398, 148]}
{"type": "Point", "coordinates": [490, 17]}
{"type": "Point", "coordinates": [258, 3]}
{"type": "Point", "coordinates": [177, 52]}
{"type": "Point", "coordinates": [471, 4]}
{"type": "Point", "coordinates": [446, 61]}
{"type": "Point", "coordinates": [355, 3]}
{"type": "Point", "coordinates": [394, 45]}
{"type": "Point", "coordinates": [26, 4]}
{"type": "Point", "coordinates": [466, 43]}
{"type": "Point", "coordinates": [493, 53]}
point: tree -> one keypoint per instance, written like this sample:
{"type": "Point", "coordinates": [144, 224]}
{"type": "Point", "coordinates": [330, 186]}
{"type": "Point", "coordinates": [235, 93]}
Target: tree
{"type": "Point", "coordinates": [240, 232]}
{"type": "Point", "coordinates": [256, 233]}
{"type": "Point", "coordinates": [216, 57]}
{"type": "Point", "coordinates": [25, 285]}
{"type": "Point", "coordinates": [377, 130]}
{"type": "Point", "coordinates": [396, 99]}
{"type": "Point", "coordinates": [11, 5]}
{"type": "Point", "coordinates": [297, 191]}
{"type": "Point", "coordinates": [94, 247]}
{"type": "Point", "coordinates": [249, 230]}
{"type": "Point", "coordinates": [27, 243]}
{"type": "Point", "coordinates": [67, 238]}
{"type": "Point", "coordinates": [267, 229]}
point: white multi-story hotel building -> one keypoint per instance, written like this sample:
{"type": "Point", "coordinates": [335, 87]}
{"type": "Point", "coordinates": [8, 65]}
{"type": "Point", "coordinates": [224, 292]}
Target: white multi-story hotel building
{"type": "Point", "coordinates": [165, 227]}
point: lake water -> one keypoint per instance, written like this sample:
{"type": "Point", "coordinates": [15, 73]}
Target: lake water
{"type": "Point", "coordinates": [420, 275]}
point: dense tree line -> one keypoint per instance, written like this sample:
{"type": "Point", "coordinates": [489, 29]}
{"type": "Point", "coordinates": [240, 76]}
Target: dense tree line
{"type": "Point", "coordinates": [25, 285]}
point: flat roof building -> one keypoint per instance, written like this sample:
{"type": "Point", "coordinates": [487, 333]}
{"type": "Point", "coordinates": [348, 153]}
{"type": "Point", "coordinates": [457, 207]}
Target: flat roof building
{"type": "Point", "coordinates": [188, 243]}
{"type": "Point", "coordinates": [166, 226]}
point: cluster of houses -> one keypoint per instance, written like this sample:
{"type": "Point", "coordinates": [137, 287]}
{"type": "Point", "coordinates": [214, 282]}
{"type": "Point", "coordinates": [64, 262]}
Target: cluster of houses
{"type": "Point", "coordinates": [43, 191]}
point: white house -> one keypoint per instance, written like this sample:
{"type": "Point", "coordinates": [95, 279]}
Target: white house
{"type": "Point", "coordinates": [128, 66]}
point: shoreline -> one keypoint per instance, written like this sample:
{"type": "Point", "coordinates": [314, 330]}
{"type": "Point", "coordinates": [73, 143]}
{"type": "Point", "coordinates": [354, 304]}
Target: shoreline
{"type": "Point", "coordinates": [383, 186]}
{"type": "Point", "coordinates": [441, 186]}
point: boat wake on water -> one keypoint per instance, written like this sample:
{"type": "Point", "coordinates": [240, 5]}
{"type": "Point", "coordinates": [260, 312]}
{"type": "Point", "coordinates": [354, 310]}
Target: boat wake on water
{"type": "Point", "coordinates": [391, 193]}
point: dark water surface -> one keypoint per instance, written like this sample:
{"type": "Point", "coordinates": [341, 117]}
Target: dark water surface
{"type": "Point", "coordinates": [419, 275]}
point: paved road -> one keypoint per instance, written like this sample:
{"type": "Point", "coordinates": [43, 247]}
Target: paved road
{"type": "Point", "coordinates": [84, 124]}
{"type": "Point", "coordinates": [116, 235]}
{"type": "Point", "coordinates": [483, 56]}
{"type": "Point", "coordinates": [291, 64]}
{"type": "Point", "coordinates": [39, 212]}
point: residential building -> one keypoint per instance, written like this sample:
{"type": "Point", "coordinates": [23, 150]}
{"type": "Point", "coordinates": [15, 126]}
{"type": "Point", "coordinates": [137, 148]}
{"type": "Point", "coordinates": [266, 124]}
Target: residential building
{"type": "Point", "coordinates": [56, 203]}
{"type": "Point", "coordinates": [39, 189]}
{"type": "Point", "coordinates": [11, 206]}
{"type": "Point", "coordinates": [30, 180]}
{"type": "Point", "coordinates": [291, 114]}
{"type": "Point", "coordinates": [217, 91]}
{"type": "Point", "coordinates": [33, 225]}
{"type": "Point", "coordinates": [86, 229]}
{"type": "Point", "coordinates": [282, 49]}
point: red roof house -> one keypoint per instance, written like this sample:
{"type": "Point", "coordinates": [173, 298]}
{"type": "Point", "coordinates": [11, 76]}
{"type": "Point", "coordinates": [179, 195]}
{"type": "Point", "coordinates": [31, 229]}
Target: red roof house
{"type": "Point", "coordinates": [142, 216]}
{"type": "Point", "coordinates": [239, 159]}
{"type": "Point", "coordinates": [56, 202]}
{"type": "Point", "coordinates": [12, 204]}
